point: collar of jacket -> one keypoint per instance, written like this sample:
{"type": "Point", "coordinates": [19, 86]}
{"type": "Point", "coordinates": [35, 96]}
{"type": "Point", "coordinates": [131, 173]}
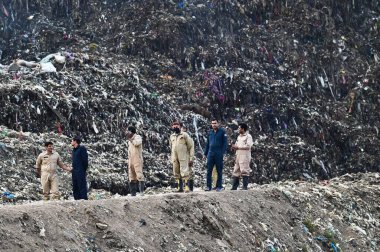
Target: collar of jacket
{"type": "Point", "coordinates": [130, 139]}
{"type": "Point", "coordinates": [213, 131]}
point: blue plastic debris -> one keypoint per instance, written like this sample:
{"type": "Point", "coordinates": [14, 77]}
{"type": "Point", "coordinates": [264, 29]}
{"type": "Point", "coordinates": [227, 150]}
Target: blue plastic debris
{"type": "Point", "coordinates": [7, 196]}
{"type": "Point", "coordinates": [334, 247]}
{"type": "Point", "coordinates": [181, 4]}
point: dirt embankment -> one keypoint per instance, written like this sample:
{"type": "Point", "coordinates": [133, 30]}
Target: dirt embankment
{"type": "Point", "coordinates": [337, 215]}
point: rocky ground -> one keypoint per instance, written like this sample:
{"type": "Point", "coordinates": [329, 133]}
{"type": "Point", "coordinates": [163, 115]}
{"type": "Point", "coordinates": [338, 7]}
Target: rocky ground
{"type": "Point", "coordinates": [341, 214]}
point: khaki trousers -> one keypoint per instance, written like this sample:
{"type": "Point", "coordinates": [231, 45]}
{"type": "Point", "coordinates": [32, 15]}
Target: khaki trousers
{"type": "Point", "coordinates": [241, 167]}
{"type": "Point", "coordinates": [181, 169]}
{"type": "Point", "coordinates": [135, 172]}
{"type": "Point", "coordinates": [49, 182]}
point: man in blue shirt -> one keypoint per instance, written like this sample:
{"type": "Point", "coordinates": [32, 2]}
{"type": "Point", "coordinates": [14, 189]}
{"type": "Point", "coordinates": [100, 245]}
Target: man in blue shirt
{"type": "Point", "coordinates": [215, 150]}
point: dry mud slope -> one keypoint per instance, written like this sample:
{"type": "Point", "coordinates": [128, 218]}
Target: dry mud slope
{"type": "Point", "coordinates": [337, 215]}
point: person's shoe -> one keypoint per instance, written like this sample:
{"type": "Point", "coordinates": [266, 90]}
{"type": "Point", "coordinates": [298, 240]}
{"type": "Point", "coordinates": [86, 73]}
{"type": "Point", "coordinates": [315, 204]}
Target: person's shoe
{"type": "Point", "coordinates": [235, 183]}
{"type": "Point", "coordinates": [245, 182]}
{"type": "Point", "coordinates": [180, 185]}
{"type": "Point", "coordinates": [214, 188]}
{"type": "Point", "coordinates": [207, 189]}
{"type": "Point", "coordinates": [141, 187]}
{"type": "Point", "coordinates": [132, 188]}
{"type": "Point", "coordinates": [191, 185]}
{"type": "Point", "coordinates": [219, 189]}
{"type": "Point", "coordinates": [187, 189]}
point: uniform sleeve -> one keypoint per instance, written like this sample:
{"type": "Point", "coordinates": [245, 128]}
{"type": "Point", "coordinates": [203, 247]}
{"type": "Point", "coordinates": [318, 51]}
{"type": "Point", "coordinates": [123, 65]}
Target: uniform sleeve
{"type": "Point", "coordinates": [249, 141]}
{"type": "Point", "coordinates": [190, 146]}
{"type": "Point", "coordinates": [137, 141]}
{"type": "Point", "coordinates": [38, 162]}
{"type": "Point", "coordinates": [59, 162]}
{"type": "Point", "coordinates": [170, 142]}
{"type": "Point", "coordinates": [84, 157]}
{"type": "Point", "coordinates": [225, 142]}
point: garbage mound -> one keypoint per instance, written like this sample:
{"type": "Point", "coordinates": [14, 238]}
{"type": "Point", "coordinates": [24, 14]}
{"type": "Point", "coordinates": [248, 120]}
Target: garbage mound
{"type": "Point", "coordinates": [304, 75]}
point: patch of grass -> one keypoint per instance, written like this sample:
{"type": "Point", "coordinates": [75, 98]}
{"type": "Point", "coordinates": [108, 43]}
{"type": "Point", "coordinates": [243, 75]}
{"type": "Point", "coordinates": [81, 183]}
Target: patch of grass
{"type": "Point", "coordinates": [309, 224]}
{"type": "Point", "coordinates": [330, 236]}
{"type": "Point", "coordinates": [93, 46]}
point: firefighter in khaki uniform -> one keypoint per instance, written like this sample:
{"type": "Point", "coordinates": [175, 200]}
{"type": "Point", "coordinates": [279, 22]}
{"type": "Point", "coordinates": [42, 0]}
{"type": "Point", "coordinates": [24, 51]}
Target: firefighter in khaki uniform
{"type": "Point", "coordinates": [242, 147]}
{"type": "Point", "coordinates": [46, 166]}
{"type": "Point", "coordinates": [182, 149]}
{"type": "Point", "coordinates": [135, 162]}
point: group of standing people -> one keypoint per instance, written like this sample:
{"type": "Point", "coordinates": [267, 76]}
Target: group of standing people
{"type": "Point", "coordinates": [182, 149]}
{"type": "Point", "coordinates": [182, 158]}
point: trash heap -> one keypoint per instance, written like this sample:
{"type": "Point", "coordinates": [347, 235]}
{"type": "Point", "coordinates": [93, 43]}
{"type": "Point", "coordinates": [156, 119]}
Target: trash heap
{"type": "Point", "coordinates": [304, 75]}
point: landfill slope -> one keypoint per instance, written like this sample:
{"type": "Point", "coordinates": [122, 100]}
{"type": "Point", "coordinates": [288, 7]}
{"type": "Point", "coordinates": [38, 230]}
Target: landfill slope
{"type": "Point", "coordinates": [304, 75]}
{"type": "Point", "coordinates": [338, 215]}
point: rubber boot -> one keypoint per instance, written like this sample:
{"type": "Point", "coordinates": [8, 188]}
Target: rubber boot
{"type": "Point", "coordinates": [235, 183]}
{"type": "Point", "coordinates": [180, 185]}
{"type": "Point", "coordinates": [132, 188]}
{"type": "Point", "coordinates": [191, 185]}
{"type": "Point", "coordinates": [186, 183]}
{"type": "Point", "coordinates": [141, 187]}
{"type": "Point", "coordinates": [245, 182]}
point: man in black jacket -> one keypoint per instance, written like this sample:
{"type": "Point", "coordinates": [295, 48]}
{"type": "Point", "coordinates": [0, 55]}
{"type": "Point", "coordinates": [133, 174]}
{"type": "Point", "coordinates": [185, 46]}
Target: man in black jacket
{"type": "Point", "coordinates": [80, 165]}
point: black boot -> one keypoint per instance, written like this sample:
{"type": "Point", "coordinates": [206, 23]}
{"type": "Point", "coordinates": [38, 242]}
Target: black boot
{"type": "Point", "coordinates": [191, 185]}
{"type": "Point", "coordinates": [141, 187]}
{"type": "Point", "coordinates": [133, 188]}
{"type": "Point", "coordinates": [235, 183]}
{"type": "Point", "coordinates": [245, 182]}
{"type": "Point", "coordinates": [180, 185]}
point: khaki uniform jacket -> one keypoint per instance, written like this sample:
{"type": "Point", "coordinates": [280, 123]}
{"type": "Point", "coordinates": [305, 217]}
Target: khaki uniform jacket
{"type": "Point", "coordinates": [135, 157]}
{"type": "Point", "coordinates": [182, 147]}
{"type": "Point", "coordinates": [49, 163]}
{"type": "Point", "coordinates": [244, 141]}
{"type": "Point", "coordinates": [243, 157]}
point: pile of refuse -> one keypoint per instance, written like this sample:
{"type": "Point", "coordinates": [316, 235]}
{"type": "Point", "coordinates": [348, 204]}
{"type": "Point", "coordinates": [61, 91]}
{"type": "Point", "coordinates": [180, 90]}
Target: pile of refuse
{"type": "Point", "coordinates": [304, 75]}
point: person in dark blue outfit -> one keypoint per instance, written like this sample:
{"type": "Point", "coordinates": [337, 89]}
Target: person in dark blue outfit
{"type": "Point", "coordinates": [80, 165]}
{"type": "Point", "coordinates": [215, 150]}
